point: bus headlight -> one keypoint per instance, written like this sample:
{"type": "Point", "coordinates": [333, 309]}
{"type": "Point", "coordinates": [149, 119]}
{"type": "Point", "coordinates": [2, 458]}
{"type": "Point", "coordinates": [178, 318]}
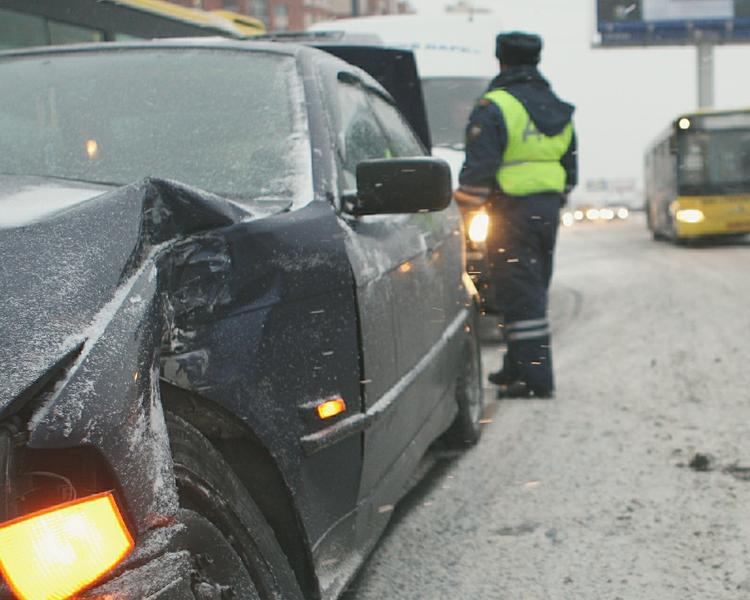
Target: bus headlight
{"type": "Point", "coordinates": [690, 215]}
{"type": "Point", "coordinates": [479, 227]}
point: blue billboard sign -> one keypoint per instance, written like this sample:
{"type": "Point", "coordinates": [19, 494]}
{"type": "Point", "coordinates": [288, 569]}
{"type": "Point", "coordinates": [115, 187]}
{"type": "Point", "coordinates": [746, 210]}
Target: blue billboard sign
{"type": "Point", "coordinates": [672, 22]}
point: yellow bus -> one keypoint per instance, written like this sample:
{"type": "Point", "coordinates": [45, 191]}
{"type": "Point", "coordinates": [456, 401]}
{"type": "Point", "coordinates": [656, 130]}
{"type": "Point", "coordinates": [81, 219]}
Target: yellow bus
{"type": "Point", "coordinates": [697, 177]}
{"type": "Point", "coordinates": [43, 22]}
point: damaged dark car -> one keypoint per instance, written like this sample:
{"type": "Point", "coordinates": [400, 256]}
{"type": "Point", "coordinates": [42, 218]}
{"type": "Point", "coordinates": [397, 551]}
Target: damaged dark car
{"type": "Point", "coordinates": [234, 317]}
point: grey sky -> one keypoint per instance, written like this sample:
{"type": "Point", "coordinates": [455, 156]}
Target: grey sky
{"type": "Point", "coordinates": [624, 97]}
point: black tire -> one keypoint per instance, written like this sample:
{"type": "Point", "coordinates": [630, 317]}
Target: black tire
{"type": "Point", "coordinates": [231, 544]}
{"type": "Point", "coordinates": [466, 429]}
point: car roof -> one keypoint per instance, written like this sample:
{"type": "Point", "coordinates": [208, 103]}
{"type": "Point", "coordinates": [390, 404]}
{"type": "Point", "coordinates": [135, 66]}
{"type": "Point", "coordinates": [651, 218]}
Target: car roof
{"type": "Point", "coordinates": [218, 43]}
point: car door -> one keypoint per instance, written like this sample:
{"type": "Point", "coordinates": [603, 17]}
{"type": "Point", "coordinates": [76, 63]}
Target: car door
{"type": "Point", "coordinates": [441, 232]}
{"type": "Point", "coordinates": [398, 262]}
{"type": "Point", "coordinates": [379, 249]}
{"type": "Point", "coordinates": [419, 287]}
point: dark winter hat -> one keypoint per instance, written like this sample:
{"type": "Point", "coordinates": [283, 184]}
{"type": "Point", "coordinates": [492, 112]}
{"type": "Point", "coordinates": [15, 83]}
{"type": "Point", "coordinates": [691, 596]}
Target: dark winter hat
{"type": "Point", "coordinates": [517, 48]}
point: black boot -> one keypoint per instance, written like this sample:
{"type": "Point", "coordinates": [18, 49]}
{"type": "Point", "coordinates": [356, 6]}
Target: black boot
{"type": "Point", "coordinates": [520, 389]}
{"type": "Point", "coordinates": [513, 389]}
{"type": "Point", "coordinates": [507, 373]}
{"type": "Point", "coordinates": [534, 365]}
{"type": "Point", "coordinates": [501, 377]}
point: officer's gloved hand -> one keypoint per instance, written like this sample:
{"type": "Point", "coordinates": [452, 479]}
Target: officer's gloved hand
{"type": "Point", "coordinates": [471, 196]}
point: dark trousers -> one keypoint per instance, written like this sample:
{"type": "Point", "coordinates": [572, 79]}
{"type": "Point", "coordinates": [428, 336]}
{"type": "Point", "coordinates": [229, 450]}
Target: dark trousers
{"type": "Point", "coordinates": [520, 252]}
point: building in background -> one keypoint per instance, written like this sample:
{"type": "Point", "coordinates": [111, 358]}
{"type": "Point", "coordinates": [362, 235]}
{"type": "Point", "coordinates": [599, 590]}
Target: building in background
{"type": "Point", "coordinates": [25, 23]}
{"type": "Point", "coordinates": [282, 15]}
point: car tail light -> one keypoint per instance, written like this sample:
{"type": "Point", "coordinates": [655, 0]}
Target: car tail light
{"type": "Point", "coordinates": [54, 553]}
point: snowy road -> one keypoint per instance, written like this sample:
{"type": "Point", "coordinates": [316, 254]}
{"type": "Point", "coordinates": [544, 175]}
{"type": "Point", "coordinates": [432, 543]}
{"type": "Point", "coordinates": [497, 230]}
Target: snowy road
{"type": "Point", "coordinates": [589, 496]}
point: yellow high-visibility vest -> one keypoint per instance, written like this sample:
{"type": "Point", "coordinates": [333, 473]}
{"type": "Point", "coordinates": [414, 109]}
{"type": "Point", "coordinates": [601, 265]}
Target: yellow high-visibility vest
{"type": "Point", "coordinates": [531, 162]}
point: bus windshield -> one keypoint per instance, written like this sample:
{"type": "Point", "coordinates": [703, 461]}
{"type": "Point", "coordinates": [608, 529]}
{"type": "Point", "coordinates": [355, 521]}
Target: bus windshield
{"type": "Point", "coordinates": [449, 103]}
{"type": "Point", "coordinates": [714, 161]}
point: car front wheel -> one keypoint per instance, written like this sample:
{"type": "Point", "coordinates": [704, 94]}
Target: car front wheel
{"type": "Point", "coordinates": [234, 551]}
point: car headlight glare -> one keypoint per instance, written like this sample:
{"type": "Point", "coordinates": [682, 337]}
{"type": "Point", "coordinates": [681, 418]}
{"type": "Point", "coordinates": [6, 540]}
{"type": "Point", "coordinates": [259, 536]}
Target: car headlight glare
{"type": "Point", "coordinates": [479, 227]}
{"type": "Point", "coordinates": [690, 215]}
{"type": "Point", "coordinates": [55, 553]}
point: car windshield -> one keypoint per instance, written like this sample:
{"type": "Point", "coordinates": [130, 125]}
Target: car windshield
{"type": "Point", "coordinates": [715, 160]}
{"type": "Point", "coordinates": [226, 122]}
{"type": "Point", "coordinates": [449, 103]}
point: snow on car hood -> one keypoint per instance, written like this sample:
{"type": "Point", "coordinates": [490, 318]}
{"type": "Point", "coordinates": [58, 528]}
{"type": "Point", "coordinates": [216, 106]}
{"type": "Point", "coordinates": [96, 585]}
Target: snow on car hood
{"type": "Point", "coordinates": [25, 200]}
{"type": "Point", "coordinates": [64, 259]}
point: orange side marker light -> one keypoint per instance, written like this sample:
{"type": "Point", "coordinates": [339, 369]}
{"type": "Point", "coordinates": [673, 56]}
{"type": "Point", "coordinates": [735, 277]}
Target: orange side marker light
{"type": "Point", "coordinates": [55, 553]}
{"type": "Point", "coordinates": [331, 408]}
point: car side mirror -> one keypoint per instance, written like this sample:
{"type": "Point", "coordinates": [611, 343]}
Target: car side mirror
{"type": "Point", "coordinates": [400, 185]}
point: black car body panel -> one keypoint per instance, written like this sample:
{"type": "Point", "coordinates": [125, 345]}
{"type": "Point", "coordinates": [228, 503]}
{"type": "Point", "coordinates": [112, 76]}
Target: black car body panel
{"type": "Point", "coordinates": [121, 300]}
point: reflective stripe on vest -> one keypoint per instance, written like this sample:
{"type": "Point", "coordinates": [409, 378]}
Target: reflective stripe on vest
{"type": "Point", "coordinates": [531, 162]}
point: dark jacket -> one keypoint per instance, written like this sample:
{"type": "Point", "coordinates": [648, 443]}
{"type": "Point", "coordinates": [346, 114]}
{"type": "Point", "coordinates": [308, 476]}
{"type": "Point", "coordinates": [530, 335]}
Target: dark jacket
{"type": "Point", "coordinates": [486, 133]}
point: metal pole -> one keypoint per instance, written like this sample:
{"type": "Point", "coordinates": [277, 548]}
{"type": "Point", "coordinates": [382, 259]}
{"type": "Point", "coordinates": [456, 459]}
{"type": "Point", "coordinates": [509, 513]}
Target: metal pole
{"type": "Point", "coordinates": [355, 8]}
{"type": "Point", "coordinates": [705, 75]}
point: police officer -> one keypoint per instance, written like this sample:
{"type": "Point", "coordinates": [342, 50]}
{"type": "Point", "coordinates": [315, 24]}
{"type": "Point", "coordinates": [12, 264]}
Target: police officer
{"type": "Point", "coordinates": [521, 163]}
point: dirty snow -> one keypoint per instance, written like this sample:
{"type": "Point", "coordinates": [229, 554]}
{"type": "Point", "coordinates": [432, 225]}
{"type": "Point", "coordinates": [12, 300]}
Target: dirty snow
{"type": "Point", "coordinates": [590, 496]}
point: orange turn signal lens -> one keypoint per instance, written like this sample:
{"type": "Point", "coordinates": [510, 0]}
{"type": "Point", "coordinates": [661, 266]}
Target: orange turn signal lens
{"type": "Point", "coordinates": [331, 408]}
{"type": "Point", "coordinates": [52, 554]}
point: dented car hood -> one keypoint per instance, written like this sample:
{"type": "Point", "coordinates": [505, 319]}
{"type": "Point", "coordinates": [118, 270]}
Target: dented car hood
{"type": "Point", "coordinates": [66, 248]}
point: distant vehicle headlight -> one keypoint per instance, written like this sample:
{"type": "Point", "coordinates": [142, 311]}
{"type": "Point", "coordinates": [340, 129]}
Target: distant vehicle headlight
{"type": "Point", "coordinates": [568, 219]}
{"type": "Point", "coordinates": [623, 213]}
{"type": "Point", "coordinates": [592, 214]}
{"type": "Point", "coordinates": [479, 227]}
{"type": "Point", "coordinates": [607, 214]}
{"type": "Point", "coordinates": [690, 215]}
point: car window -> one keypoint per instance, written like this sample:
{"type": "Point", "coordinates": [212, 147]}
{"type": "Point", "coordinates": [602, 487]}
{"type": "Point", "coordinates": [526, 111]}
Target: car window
{"type": "Point", "coordinates": [360, 136]}
{"type": "Point", "coordinates": [401, 139]}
